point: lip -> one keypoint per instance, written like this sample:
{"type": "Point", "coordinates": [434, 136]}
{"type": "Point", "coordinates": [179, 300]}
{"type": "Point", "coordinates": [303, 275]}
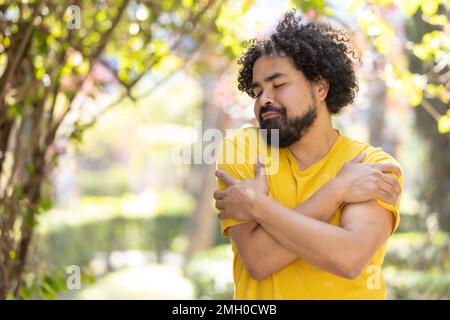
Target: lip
{"type": "Point", "coordinates": [270, 114]}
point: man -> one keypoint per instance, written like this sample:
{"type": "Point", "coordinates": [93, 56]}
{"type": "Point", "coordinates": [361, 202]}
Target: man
{"type": "Point", "coordinates": [317, 228]}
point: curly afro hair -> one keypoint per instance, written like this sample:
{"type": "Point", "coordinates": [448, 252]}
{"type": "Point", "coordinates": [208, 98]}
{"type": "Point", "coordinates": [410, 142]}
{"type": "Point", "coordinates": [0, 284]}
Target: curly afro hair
{"type": "Point", "coordinates": [317, 49]}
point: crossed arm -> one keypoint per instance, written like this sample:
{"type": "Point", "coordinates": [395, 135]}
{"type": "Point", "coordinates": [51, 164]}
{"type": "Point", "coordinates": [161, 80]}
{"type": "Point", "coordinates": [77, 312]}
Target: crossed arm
{"type": "Point", "coordinates": [277, 236]}
{"type": "Point", "coordinates": [261, 252]}
{"type": "Point", "coordinates": [342, 250]}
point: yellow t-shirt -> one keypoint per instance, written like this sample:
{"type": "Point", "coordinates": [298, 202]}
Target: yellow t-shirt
{"type": "Point", "coordinates": [290, 186]}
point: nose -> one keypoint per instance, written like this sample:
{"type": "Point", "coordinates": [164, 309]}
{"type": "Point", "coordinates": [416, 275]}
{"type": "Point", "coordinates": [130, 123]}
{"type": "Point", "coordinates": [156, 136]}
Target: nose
{"type": "Point", "coordinates": [266, 99]}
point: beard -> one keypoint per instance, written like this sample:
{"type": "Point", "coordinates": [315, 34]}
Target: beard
{"type": "Point", "coordinates": [290, 130]}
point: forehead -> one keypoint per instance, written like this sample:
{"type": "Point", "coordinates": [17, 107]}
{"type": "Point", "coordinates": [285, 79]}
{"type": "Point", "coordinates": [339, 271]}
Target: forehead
{"type": "Point", "coordinates": [267, 65]}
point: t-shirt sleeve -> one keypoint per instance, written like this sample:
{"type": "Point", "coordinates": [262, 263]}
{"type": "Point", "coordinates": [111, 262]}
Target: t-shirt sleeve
{"type": "Point", "coordinates": [378, 156]}
{"type": "Point", "coordinates": [234, 158]}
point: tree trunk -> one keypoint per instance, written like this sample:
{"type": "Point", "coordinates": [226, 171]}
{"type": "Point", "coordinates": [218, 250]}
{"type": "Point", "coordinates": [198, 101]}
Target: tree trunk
{"type": "Point", "coordinates": [434, 189]}
{"type": "Point", "coordinates": [202, 223]}
{"type": "Point", "coordinates": [377, 102]}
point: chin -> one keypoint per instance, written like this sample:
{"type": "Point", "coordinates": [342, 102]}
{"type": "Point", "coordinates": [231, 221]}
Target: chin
{"type": "Point", "coordinates": [270, 124]}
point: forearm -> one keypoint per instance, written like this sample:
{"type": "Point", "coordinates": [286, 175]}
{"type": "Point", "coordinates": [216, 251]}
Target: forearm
{"type": "Point", "coordinates": [323, 204]}
{"type": "Point", "coordinates": [323, 245]}
{"type": "Point", "coordinates": [269, 254]}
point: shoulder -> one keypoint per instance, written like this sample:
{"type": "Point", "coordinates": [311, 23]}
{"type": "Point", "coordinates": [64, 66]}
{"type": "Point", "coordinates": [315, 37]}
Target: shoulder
{"type": "Point", "coordinates": [238, 151]}
{"type": "Point", "coordinates": [377, 155]}
{"type": "Point", "coordinates": [241, 137]}
{"type": "Point", "coordinates": [373, 154]}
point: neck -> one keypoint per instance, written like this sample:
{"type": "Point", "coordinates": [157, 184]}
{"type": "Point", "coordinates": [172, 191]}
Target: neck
{"type": "Point", "coordinates": [315, 144]}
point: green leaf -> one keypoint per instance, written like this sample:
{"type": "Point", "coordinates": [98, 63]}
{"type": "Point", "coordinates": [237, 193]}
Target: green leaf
{"type": "Point", "coordinates": [246, 4]}
{"type": "Point", "coordinates": [10, 296]}
{"type": "Point", "coordinates": [379, 30]}
{"type": "Point", "coordinates": [13, 111]}
{"type": "Point", "coordinates": [305, 6]}
{"type": "Point", "coordinates": [413, 87]}
{"type": "Point", "coordinates": [39, 73]}
{"type": "Point", "coordinates": [30, 220]}
{"type": "Point", "coordinates": [382, 3]}
{"type": "Point", "coordinates": [31, 170]}
{"type": "Point", "coordinates": [430, 7]}
{"type": "Point", "coordinates": [100, 16]}
{"type": "Point", "coordinates": [187, 3]}
{"type": "Point", "coordinates": [438, 20]}
{"type": "Point", "coordinates": [409, 7]}
{"type": "Point", "coordinates": [6, 42]}
{"type": "Point", "coordinates": [328, 11]}
{"type": "Point", "coordinates": [86, 278]}
{"type": "Point", "coordinates": [421, 51]}
{"type": "Point", "coordinates": [444, 124]}
{"type": "Point", "coordinates": [414, 97]}
{"type": "Point", "coordinates": [438, 91]}
{"type": "Point", "coordinates": [45, 204]}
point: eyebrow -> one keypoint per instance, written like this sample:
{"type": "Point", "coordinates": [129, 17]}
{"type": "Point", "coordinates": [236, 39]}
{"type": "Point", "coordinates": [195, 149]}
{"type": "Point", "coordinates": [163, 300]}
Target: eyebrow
{"type": "Point", "coordinates": [268, 79]}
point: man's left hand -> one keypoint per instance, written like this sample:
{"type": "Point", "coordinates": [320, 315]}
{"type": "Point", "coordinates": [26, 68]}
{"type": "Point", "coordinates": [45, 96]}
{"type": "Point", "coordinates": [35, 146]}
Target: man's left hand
{"type": "Point", "coordinates": [239, 199]}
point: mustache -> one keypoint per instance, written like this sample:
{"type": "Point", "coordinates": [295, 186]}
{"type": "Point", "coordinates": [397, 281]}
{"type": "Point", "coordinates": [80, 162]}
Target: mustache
{"type": "Point", "coordinates": [268, 108]}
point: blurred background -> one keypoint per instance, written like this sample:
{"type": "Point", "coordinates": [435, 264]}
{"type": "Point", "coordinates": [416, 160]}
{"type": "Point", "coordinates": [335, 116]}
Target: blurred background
{"type": "Point", "coordinates": [95, 96]}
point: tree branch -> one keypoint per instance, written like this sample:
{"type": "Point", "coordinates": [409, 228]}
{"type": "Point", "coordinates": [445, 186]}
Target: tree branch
{"type": "Point", "coordinates": [17, 57]}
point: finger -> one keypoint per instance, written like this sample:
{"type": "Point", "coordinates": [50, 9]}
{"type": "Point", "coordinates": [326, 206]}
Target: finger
{"type": "Point", "coordinates": [384, 196]}
{"type": "Point", "coordinates": [225, 177]}
{"type": "Point", "coordinates": [392, 181]}
{"type": "Point", "coordinates": [389, 189]}
{"type": "Point", "coordinates": [387, 168]}
{"type": "Point", "coordinates": [220, 204]}
{"type": "Point", "coordinates": [358, 158]}
{"type": "Point", "coordinates": [259, 167]}
{"type": "Point", "coordinates": [221, 215]}
{"type": "Point", "coordinates": [219, 194]}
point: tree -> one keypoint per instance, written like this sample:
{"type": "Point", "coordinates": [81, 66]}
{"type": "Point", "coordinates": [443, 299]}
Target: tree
{"type": "Point", "coordinates": [424, 78]}
{"type": "Point", "coordinates": [56, 57]}
{"type": "Point", "coordinates": [432, 48]}
{"type": "Point", "coordinates": [437, 181]}
{"type": "Point", "coordinates": [202, 224]}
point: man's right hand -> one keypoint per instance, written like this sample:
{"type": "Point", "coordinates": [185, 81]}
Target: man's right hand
{"type": "Point", "coordinates": [360, 182]}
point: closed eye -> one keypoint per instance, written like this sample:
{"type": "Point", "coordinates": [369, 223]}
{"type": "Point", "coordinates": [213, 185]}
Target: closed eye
{"type": "Point", "coordinates": [257, 95]}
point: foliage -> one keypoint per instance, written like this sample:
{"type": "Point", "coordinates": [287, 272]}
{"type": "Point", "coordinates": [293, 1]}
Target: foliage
{"type": "Point", "coordinates": [210, 272]}
{"type": "Point", "coordinates": [48, 286]}
{"type": "Point", "coordinates": [414, 285]}
{"type": "Point", "coordinates": [78, 244]}
{"type": "Point", "coordinates": [55, 59]}
{"type": "Point", "coordinates": [435, 183]}
{"type": "Point", "coordinates": [416, 266]}
{"type": "Point", "coordinates": [67, 237]}
{"type": "Point", "coordinates": [419, 251]}
{"type": "Point", "coordinates": [110, 223]}
{"type": "Point", "coordinates": [432, 48]}
{"type": "Point", "coordinates": [93, 183]}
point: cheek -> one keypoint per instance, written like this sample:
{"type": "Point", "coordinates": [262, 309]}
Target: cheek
{"type": "Point", "coordinates": [256, 109]}
{"type": "Point", "coordinates": [292, 101]}
{"type": "Point", "coordinates": [286, 94]}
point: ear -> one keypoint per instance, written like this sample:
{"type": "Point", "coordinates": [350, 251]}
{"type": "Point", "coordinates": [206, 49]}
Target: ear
{"type": "Point", "coordinates": [321, 87]}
